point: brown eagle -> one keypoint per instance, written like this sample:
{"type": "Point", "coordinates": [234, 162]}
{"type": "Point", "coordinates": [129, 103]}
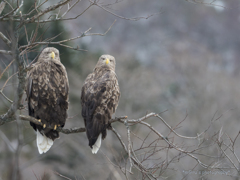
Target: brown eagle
{"type": "Point", "coordinates": [47, 94]}
{"type": "Point", "coordinates": [99, 99]}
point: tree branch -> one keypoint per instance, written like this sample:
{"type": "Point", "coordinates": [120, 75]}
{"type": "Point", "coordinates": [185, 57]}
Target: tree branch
{"type": "Point", "coordinates": [59, 129]}
{"type": "Point", "coordinates": [10, 114]}
{"type": "Point", "coordinates": [5, 39]}
{"type": "Point", "coordinates": [67, 40]}
{"type": "Point", "coordinates": [41, 13]}
{"type": "Point", "coordinates": [5, 52]}
{"type": "Point", "coordinates": [2, 6]}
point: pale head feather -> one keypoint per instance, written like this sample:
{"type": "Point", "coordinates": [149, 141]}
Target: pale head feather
{"type": "Point", "coordinates": [47, 54]}
{"type": "Point", "coordinates": [106, 61]}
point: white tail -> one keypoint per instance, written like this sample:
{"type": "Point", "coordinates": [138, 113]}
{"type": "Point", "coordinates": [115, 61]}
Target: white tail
{"type": "Point", "coordinates": [97, 144]}
{"type": "Point", "coordinates": [43, 143]}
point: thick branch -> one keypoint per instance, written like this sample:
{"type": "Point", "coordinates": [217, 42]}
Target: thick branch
{"type": "Point", "coordinates": [10, 114]}
{"type": "Point", "coordinates": [65, 131]}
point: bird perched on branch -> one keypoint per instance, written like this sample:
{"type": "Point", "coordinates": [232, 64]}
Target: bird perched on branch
{"type": "Point", "coordinates": [99, 99]}
{"type": "Point", "coordinates": [47, 95]}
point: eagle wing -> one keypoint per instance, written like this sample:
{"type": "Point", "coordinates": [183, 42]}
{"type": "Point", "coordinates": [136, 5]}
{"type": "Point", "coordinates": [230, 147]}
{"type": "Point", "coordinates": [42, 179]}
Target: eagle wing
{"type": "Point", "coordinates": [99, 97]}
{"type": "Point", "coordinates": [47, 93]}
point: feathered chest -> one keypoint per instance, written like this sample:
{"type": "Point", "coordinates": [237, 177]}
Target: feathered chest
{"type": "Point", "coordinates": [101, 81]}
{"type": "Point", "coordinates": [48, 81]}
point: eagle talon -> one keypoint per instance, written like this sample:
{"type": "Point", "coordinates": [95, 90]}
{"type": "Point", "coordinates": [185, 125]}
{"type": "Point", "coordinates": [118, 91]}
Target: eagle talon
{"type": "Point", "coordinates": [39, 120]}
{"type": "Point", "coordinates": [109, 126]}
{"type": "Point", "coordinates": [44, 126]}
{"type": "Point", "coordinates": [55, 127]}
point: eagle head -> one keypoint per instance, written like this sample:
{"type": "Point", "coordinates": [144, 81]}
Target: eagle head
{"type": "Point", "coordinates": [49, 54]}
{"type": "Point", "coordinates": [106, 61]}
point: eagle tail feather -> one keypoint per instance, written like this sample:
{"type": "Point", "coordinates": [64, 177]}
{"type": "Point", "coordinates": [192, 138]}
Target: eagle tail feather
{"type": "Point", "coordinates": [43, 143]}
{"type": "Point", "coordinates": [97, 144]}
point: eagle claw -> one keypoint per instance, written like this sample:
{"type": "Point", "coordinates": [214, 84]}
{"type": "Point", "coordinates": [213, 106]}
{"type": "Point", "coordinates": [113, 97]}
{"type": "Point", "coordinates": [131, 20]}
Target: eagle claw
{"type": "Point", "coordinates": [109, 126]}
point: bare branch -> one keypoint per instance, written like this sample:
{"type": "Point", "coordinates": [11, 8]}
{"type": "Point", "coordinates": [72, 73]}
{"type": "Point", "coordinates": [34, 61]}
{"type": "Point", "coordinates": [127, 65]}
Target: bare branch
{"type": "Point", "coordinates": [9, 4]}
{"type": "Point", "coordinates": [65, 131]}
{"type": "Point", "coordinates": [2, 6]}
{"type": "Point", "coordinates": [69, 8]}
{"type": "Point", "coordinates": [10, 114]}
{"type": "Point", "coordinates": [6, 68]}
{"type": "Point", "coordinates": [122, 17]}
{"type": "Point", "coordinates": [19, 6]}
{"type": "Point", "coordinates": [41, 13]}
{"type": "Point", "coordinates": [206, 3]}
{"type": "Point", "coordinates": [5, 39]}
{"type": "Point", "coordinates": [129, 145]}
{"type": "Point", "coordinates": [8, 14]}
{"type": "Point", "coordinates": [173, 145]}
{"type": "Point", "coordinates": [5, 52]}
{"type": "Point", "coordinates": [7, 141]}
{"type": "Point", "coordinates": [196, 137]}
{"type": "Point", "coordinates": [9, 100]}
{"type": "Point", "coordinates": [67, 40]}
{"type": "Point", "coordinates": [62, 176]}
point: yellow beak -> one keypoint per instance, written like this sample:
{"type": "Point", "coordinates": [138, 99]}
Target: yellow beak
{"type": "Point", "coordinates": [52, 55]}
{"type": "Point", "coordinates": [107, 61]}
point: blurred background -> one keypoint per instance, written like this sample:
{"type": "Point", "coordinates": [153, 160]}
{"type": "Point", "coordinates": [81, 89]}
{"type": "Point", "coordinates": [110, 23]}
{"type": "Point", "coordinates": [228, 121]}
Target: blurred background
{"type": "Point", "coordinates": [183, 61]}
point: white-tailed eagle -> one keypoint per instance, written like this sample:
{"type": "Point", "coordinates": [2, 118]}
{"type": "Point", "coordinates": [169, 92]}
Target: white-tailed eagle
{"type": "Point", "coordinates": [47, 95]}
{"type": "Point", "coordinates": [99, 99]}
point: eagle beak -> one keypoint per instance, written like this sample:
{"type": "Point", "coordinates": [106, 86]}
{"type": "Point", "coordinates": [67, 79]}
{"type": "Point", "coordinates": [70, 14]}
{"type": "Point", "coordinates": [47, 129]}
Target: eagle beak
{"type": "Point", "coordinates": [107, 61]}
{"type": "Point", "coordinates": [52, 55]}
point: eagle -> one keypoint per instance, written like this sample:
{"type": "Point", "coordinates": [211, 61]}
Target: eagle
{"type": "Point", "coordinates": [47, 95]}
{"type": "Point", "coordinates": [99, 99]}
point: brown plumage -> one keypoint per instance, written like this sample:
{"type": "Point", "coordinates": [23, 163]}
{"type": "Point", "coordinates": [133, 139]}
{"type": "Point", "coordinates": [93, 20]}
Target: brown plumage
{"type": "Point", "coordinates": [99, 99]}
{"type": "Point", "coordinates": [47, 94]}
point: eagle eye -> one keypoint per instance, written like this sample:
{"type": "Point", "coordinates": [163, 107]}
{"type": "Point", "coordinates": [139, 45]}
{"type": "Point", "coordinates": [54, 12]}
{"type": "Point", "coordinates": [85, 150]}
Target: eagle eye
{"type": "Point", "coordinates": [103, 58]}
{"type": "Point", "coordinates": [111, 60]}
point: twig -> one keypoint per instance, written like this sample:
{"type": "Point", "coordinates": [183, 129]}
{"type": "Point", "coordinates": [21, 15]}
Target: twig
{"type": "Point", "coordinates": [70, 39]}
{"type": "Point", "coordinates": [41, 13]}
{"type": "Point", "coordinates": [5, 39]}
{"type": "Point", "coordinates": [186, 137]}
{"type": "Point", "coordinates": [122, 17]}
{"type": "Point", "coordinates": [2, 6]}
{"type": "Point", "coordinates": [7, 141]}
{"type": "Point", "coordinates": [19, 6]}
{"type": "Point", "coordinates": [117, 119]}
{"type": "Point", "coordinates": [5, 52]}
{"type": "Point", "coordinates": [69, 8]}
{"type": "Point", "coordinates": [6, 68]}
{"type": "Point", "coordinates": [60, 175]}
{"type": "Point", "coordinates": [9, 100]}
{"type": "Point", "coordinates": [5, 84]}
{"type": "Point", "coordinates": [206, 3]}
{"type": "Point", "coordinates": [129, 145]}
{"type": "Point", "coordinates": [173, 145]}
